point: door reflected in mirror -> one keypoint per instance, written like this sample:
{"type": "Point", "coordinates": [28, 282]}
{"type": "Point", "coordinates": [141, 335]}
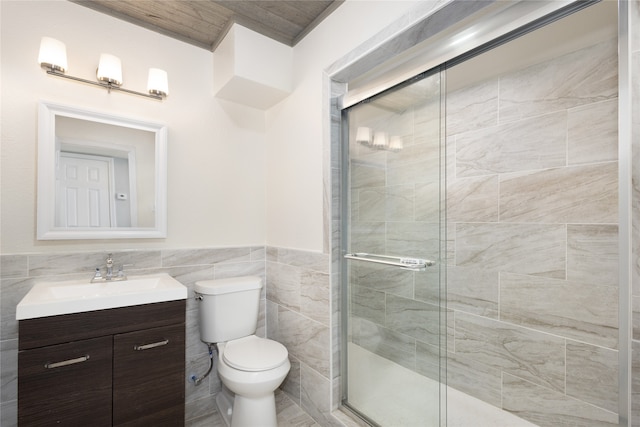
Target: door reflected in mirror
{"type": "Point", "coordinates": [99, 176]}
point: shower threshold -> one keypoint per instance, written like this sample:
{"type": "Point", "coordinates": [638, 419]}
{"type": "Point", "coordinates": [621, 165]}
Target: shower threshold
{"type": "Point", "coordinates": [406, 390]}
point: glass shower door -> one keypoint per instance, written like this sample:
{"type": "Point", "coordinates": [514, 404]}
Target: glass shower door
{"type": "Point", "coordinates": [394, 257]}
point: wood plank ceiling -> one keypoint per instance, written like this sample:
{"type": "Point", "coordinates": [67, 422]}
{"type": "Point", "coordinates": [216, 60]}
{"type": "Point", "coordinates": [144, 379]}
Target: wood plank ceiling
{"type": "Point", "coordinates": [204, 23]}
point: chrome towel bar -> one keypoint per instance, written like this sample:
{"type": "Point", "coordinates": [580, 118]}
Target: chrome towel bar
{"type": "Point", "coordinates": [406, 263]}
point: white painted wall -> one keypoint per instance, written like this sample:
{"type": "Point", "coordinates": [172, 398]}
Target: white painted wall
{"type": "Point", "coordinates": [252, 69]}
{"type": "Point", "coordinates": [225, 160]}
{"type": "Point", "coordinates": [295, 127]}
{"type": "Point", "coordinates": [216, 193]}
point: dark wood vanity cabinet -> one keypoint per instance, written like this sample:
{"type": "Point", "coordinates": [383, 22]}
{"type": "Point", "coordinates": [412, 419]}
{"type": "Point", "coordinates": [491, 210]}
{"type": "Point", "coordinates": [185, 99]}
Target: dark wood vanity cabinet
{"type": "Point", "coordinates": [75, 394]}
{"type": "Point", "coordinates": [117, 367]}
{"type": "Point", "coordinates": [145, 380]}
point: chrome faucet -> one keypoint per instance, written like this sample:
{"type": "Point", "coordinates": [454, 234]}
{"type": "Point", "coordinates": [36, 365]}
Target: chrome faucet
{"type": "Point", "coordinates": [109, 276]}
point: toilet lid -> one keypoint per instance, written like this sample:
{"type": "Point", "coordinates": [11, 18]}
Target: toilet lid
{"type": "Point", "coordinates": [253, 353]}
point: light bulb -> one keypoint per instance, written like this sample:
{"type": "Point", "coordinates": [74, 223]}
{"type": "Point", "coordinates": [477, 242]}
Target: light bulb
{"type": "Point", "coordinates": [53, 54]}
{"type": "Point", "coordinates": [110, 69]}
{"type": "Point", "coordinates": [158, 83]}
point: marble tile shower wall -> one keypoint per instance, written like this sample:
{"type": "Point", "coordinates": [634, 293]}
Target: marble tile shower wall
{"type": "Point", "coordinates": [634, 7]}
{"type": "Point", "coordinates": [533, 216]}
{"type": "Point", "coordinates": [532, 273]}
{"type": "Point", "coordinates": [19, 272]}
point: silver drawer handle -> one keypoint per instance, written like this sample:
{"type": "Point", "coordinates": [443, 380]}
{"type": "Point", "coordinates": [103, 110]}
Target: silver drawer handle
{"type": "Point", "coordinates": [152, 345]}
{"type": "Point", "coordinates": [50, 365]}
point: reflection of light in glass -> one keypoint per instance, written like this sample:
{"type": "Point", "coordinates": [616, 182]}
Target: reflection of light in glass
{"type": "Point", "coordinates": [396, 143]}
{"type": "Point", "coordinates": [463, 37]}
{"type": "Point", "coordinates": [380, 140]}
{"type": "Point", "coordinates": [363, 135]}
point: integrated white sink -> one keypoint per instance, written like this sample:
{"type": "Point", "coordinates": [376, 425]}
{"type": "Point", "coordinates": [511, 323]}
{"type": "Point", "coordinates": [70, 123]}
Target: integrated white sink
{"type": "Point", "coordinates": [75, 296]}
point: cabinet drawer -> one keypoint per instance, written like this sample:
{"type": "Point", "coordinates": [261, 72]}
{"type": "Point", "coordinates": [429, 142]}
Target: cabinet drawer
{"type": "Point", "coordinates": [148, 377]}
{"type": "Point", "coordinates": [50, 330]}
{"type": "Point", "coordinates": [66, 384]}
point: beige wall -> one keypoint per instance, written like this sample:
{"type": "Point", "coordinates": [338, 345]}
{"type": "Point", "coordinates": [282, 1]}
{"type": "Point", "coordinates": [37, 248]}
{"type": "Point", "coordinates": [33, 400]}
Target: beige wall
{"type": "Point", "coordinates": [212, 143]}
{"type": "Point", "coordinates": [298, 126]}
{"type": "Point", "coordinates": [225, 162]}
{"type": "Point", "coordinates": [273, 159]}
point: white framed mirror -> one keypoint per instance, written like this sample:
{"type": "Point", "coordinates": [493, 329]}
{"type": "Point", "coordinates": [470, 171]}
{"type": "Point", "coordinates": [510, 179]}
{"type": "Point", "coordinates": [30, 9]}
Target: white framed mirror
{"type": "Point", "coordinates": [100, 176]}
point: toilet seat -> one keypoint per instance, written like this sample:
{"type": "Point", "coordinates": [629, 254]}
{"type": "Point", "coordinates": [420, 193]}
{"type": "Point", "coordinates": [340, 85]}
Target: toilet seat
{"type": "Point", "coordinates": [253, 354]}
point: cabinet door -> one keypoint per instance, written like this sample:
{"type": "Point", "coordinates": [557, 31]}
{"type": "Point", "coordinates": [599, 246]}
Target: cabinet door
{"type": "Point", "coordinates": [66, 384]}
{"type": "Point", "coordinates": [148, 377]}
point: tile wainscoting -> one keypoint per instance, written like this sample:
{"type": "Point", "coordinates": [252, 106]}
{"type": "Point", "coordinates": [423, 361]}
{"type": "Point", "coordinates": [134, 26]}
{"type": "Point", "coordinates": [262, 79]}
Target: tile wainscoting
{"type": "Point", "coordinates": [295, 311]}
{"type": "Point", "coordinates": [299, 316]}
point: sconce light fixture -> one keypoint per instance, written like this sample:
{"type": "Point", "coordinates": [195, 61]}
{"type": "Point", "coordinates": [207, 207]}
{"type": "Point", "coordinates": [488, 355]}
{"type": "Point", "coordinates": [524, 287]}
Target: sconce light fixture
{"type": "Point", "coordinates": [53, 58]}
{"type": "Point", "coordinates": [109, 70]}
{"type": "Point", "coordinates": [378, 140]}
{"type": "Point", "coordinates": [53, 54]}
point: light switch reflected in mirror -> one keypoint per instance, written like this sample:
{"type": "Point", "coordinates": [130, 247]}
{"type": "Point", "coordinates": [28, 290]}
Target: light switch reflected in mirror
{"type": "Point", "coordinates": [99, 176]}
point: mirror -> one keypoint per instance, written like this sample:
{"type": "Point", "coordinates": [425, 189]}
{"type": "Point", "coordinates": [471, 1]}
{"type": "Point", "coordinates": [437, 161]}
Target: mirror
{"type": "Point", "coordinates": [100, 176]}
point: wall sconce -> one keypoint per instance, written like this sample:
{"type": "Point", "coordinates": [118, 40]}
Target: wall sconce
{"type": "Point", "coordinates": [109, 70]}
{"type": "Point", "coordinates": [378, 140]}
{"type": "Point", "coordinates": [53, 58]}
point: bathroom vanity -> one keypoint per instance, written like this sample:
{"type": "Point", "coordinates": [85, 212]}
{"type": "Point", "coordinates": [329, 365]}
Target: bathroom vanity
{"type": "Point", "coordinates": [115, 367]}
{"type": "Point", "coordinates": [121, 366]}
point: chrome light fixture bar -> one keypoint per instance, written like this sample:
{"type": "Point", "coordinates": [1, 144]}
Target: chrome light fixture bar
{"type": "Point", "coordinates": [53, 58]}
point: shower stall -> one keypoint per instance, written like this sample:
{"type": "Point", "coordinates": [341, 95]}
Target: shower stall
{"type": "Point", "coordinates": [397, 239]}
{"type": "Point", "coordinates": [480, 231]}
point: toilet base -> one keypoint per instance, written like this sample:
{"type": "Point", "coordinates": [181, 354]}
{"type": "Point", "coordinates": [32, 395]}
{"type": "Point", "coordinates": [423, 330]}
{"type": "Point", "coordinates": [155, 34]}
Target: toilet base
{"type": "Point", "coordinates": [254, 411]}
{"type": "Point", "coordinates": [242, 411]}
{"type": "Point", "coordinates": [224, 403]}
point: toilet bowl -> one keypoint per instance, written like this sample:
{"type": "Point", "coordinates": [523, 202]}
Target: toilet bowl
{"type": "Point", "coordinates": [250, 368]}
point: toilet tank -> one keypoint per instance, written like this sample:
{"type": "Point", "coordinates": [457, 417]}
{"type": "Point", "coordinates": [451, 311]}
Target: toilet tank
{"type": "Point", "coordinates": [228, 308]}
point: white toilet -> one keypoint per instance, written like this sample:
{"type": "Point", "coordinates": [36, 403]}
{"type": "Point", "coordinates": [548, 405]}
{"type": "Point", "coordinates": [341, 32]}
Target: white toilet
{"type": "Point", "coordinates": [249, 366]}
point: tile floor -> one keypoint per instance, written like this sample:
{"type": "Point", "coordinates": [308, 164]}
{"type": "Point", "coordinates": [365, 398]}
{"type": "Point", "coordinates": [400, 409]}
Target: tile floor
{"type": "Point", "coordinates": [396, 409]}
